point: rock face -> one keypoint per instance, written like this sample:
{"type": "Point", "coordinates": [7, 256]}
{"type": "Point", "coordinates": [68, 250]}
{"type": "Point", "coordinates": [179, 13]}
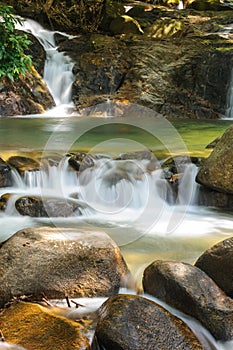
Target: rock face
{"type": "Point", "coordinates": [216, 172]}
{"type": "Point", "coordinates": [131, 322]}
{"type": "Point", "coordinates": [5, 174]}
{"type": "Point", "coordinates": [27, 95]}
{"type": "Point", "coordinates": [35, 327]}
{"type": "Point", "coordinates": [46, 207]}
{"type": "Point", "coordinates": [190, 290]}
{"type": "Point", "coordinates": [55, 262]}
{"type": "Point", "coordinates": [217, 262]}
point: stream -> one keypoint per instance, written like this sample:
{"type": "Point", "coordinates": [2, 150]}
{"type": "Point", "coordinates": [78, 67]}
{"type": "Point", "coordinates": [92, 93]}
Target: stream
{"type": "Point", "coordinates": [135, 211]}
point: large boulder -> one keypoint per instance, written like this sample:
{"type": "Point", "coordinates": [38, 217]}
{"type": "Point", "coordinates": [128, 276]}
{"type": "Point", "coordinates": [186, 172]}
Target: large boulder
{"type": "Point", "coordinates": [46, 207]}
{"type": "Point", "coordinates": [55, 262]}
{"type": "Point", "coordinates": [216, 173]}
{"type": "Point", "coordinates": [131, 322]}
{"type": "Point", "coordinates": [27, 95]}
{"type": "Point", "coordinates": [37, 328]}
{"type": "Point", "coordinates": [217, 262]}
{"type": "Point", "coordinates": [190, 290]}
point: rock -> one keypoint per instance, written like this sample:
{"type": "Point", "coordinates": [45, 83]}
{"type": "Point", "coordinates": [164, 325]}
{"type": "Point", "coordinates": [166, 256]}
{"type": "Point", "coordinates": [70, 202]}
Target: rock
{"type": "Point", "coordinates": [213, 143]}
{"type": "Point", "coordinates": [4, 200]}
{"type": "Point", "coordinates": [55, 262]}
{"type": "Point", "coordinates": [81, 161]}
{"type": "Point", "coordinates": [190, 290]}
{"type": "Point", "coordinates": [5, 174]}
{"type": "Point", "coordinates": [138, 155]}
{"type": "Point", "coordinates": [132, 322]}
{"type": "Point", "coordinates": [35, 327]}
{"type": "Point", "coordinates": [22, 164]}
{"type": "Point", "coordinates": [46, 207]}
{"type": "Point", "coordinates": [112, 10]}
{"type": "Point", "coordinates": [27, 95]}
{"type": "Point", "coordinates": [210, 198]}
{"type": "Point", "coordinates": [216, 172]}
{"type": "Point", "coordinates": [101, 63]}
{"type": "Point", "coordinates": [208, 5]}
{"type": "Point", "coordinates": [217, 262]}
{"type": "Point", "coordinates": [178, 164]}
{"type": "Point", "coordinates": [125, 25]}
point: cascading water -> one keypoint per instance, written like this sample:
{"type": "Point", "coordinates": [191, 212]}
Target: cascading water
{"type": "Point", "coordinates": [58, 66]}
{"type": "Point", "coordinates": [229, 108]}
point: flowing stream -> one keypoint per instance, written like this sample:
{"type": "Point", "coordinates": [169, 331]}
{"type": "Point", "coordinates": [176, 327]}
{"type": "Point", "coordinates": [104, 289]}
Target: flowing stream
{"type": "Point", "coordinates": [128, 199]}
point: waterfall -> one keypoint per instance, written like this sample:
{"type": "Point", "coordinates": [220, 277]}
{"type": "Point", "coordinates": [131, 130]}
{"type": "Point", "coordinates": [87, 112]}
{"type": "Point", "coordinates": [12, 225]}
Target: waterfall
{"type": "Point", "coordinates": [58, 66]}
{"type": "Point", "coordinates": [229, 102]}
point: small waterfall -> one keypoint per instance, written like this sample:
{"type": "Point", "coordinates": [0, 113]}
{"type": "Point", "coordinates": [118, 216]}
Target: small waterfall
{"type": "Point", "coordinates": [58, 66]}
{"type": "Point", "coordinates": [229, 102]}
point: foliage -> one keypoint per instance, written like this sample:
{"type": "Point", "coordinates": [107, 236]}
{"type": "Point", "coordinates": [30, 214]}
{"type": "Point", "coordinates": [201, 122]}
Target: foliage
{"type": "Point", "coordinates": [13, 61]}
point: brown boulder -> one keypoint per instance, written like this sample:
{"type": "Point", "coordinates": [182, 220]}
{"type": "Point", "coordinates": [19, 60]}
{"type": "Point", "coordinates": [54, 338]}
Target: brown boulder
{"type": "Point", "coordinates": [46, 207]}
{"type": "Point", "coordinates": [216, 172]}
{"type": "Point", "coordinates": [129, 322]}
{"type": "Point", "coordinates": [22, 164]}
{"type": "Point", "coordinates": [190, 290]}
{"type": "Point", "coordinates": [27, 95]}
{"type": "Point", "coordinates": [217, 262]}
{"type": "Point", "coordinates": [56, 262]}
{"type": "Point", "coordinates": [37, 328]}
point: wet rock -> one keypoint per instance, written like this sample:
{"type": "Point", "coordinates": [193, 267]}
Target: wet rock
{"type": "Point", "coordinates": [47, 207]}
{"type": "Point", "coordinates": [138, 155]}
{"type": "Point", "coordinates": [27, 95]}
{"type": "Point", "coordinates": [112, 10]}
{"type": "Point", "coordinates": [178, 164]}
{"type": "Point", "coordinates": [125, 25]}
{"type": "Point", "coordinates": [55, 262]}
{"type": "Point", "coordinates": [210, 198]}
{"type": "Point", "coordinates": [5, 174]}
{"type": "Point", "coordinates": [208, 5]}
{"type": "Point", "coordinates": [217, 262]}
{"type": "Point", "coordinates": [189, 289]}
{"type": "Point", "coordinates": [22, 164]}
{"type": "Point", "coordinates": [132, 322]}
{"type": "Point", "coordinates": [216, 172]}
{"type": "Point", "coordinates": [81, 161]}
{"type": "Point", "coordinates": [35, 327]}
{"type": "Point", "coordinates": [101, 63]}
{"type": "Point", "coordinates": [4, 200]}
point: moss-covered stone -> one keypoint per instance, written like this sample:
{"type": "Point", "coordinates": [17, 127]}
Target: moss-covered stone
{"type": "Point", "coordinates": [35, 327]}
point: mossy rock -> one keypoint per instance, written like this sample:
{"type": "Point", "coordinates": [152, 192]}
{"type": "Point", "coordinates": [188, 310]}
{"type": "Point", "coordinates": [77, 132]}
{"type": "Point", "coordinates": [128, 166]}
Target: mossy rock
{"type": "Point", "coordinates": [206, 5]}
{"type": "Point", "coordinates": [37, 328]}
{"type": "Point", "coordinates": [125, 25]}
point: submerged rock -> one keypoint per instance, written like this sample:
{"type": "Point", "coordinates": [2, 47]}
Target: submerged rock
{"type": "Point", "coordinates": [22, 164]}
{"type": "Point", "coordinates": [216, 172]}
{"type": "Point", "coordinates": [5, 174]}
{"type": "Point", "coordinates": [131, 322]}
{"type": "Point", "coordinates": [55, 262]}
{"type": "Point", "coordinates": [189, 289]}
{"type": "Point", "coordinates": [37, 328]}
{"type": "Point", "coordinates": [46, 207]}
{"type": "Point", "coordinates": [217, 262]}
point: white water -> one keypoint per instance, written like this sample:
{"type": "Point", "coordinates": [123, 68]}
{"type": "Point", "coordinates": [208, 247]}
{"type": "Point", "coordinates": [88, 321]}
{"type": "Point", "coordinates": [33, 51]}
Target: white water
{"type": "Point", "coordinates": [58, 66]}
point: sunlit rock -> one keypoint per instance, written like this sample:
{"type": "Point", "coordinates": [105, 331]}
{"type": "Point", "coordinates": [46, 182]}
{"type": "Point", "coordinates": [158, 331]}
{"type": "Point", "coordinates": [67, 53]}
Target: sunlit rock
{"type": "Point", "coordinates": [55, 262]}
{"type": "Point", "coordinates": [189, 289]}
{"type": "Point", "coordinates": [132, 322]}
{"type": "Point", "coordinates": [216, 172]}
{"type": "Point", "coordinates": [37, 328]}
{"type": "Point", "coordinates": [217, 262]}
